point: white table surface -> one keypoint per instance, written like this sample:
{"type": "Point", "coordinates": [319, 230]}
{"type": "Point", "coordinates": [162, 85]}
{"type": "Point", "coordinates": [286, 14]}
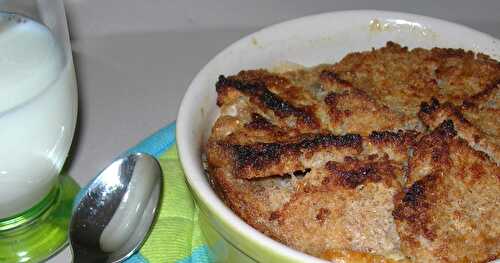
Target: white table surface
{"type": "Point", "coordinates": [135, 59]}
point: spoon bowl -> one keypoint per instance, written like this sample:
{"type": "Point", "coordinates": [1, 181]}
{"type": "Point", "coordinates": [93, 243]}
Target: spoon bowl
{"type": "Point", "coordinates": [114, 214]}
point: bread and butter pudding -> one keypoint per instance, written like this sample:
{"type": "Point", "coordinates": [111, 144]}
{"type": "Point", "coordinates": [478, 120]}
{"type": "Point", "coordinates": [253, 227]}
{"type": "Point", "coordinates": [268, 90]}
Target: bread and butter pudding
{"type": "Point", "coordinates": [388, 155]}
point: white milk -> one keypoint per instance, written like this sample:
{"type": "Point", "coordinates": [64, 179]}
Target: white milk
{"type": "Point", "coordinates": [38, 104]}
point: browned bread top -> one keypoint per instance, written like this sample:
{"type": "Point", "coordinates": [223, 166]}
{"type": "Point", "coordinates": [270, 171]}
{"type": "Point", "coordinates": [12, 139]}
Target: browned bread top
{"type": "Point", "coordinates": [450, 210]}
{"type": "Point", "coordinates": [388, 155]}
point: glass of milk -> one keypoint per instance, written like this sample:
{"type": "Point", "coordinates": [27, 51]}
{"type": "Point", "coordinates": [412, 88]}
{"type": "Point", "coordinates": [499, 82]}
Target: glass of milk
{"type": "Point", "coordinates": [38, 110]}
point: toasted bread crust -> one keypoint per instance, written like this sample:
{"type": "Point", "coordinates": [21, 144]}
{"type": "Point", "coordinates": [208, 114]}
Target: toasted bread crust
{"type": "Point", "coordinates": [401, 79]}
{"type": "Point", "coordinates": [434, 113]}
{"type": "Point", "coordinates": [449, 211]}
{"type": "Point", "coordinates": [390, 155]}
{"type": "Point", "coordinates": [305, 151]}
{"type": "Point", "coordinates": [354, 111]}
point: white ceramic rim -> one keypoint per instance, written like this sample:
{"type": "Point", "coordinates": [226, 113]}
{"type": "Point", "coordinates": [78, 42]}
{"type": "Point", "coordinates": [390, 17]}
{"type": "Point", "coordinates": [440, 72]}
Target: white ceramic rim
{"type": "Point", "coordinates": [194, 171]}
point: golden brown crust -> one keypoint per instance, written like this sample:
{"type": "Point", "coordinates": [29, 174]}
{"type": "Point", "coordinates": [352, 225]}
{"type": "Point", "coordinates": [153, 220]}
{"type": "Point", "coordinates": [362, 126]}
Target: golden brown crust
{"type": "Point", "coordinates": [269, 159]}
{"type": "Point", "coordinates": [434, 113]}
{"type": "Point", "coordinates": [330, 159]}
{"type": "Point", "coordinates": [345, 255]}
{"type": "Point", "coordinates": [378, 166]}
{"type": "Point", "coordinates": [355, 112]}
{"type": "Point", "coordinates": [483, 110]}
{"type": "Point", "coordinates": [252, 201]}
{"type": "Point", "coordinates": [349, 209]}
{"type": "Point", "coordinates": [352, 173]}
{"type": "Point", "coordinates": [267, 91]}
{"type": "Point", "coordinates": [449, 211]}
{"type": "Point", "coordinates": [402, 78]}
{"type": "Point", "coordinates": [305, 151]}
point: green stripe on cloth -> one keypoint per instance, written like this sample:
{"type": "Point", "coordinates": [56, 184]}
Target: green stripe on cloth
{"type": "Point", "coordinates": [176, 234]}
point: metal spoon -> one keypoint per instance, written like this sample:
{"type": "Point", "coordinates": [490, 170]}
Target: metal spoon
{"type": "Point", "coordinates": [114, 215]}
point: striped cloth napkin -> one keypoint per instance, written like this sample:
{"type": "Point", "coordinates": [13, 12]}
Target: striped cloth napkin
{"type": "Point", "coordinates": [176, 236]}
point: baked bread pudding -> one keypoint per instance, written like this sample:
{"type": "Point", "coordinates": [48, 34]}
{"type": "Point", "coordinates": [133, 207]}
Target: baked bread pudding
{"type": "Point", "coordinates": [390, 155]}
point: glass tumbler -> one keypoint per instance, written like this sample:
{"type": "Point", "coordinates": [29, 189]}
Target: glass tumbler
{"type": "Point", "coordinates": [38, 110]}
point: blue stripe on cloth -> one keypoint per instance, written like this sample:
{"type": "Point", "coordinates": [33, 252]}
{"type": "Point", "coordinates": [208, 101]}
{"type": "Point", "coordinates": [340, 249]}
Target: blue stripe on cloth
{"type": "Point", "coordinates": [157, 143]}
{"type": "Point", "coordinates": [201, 254]}
{"type": "Point", "coordinates": [136, 258]}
